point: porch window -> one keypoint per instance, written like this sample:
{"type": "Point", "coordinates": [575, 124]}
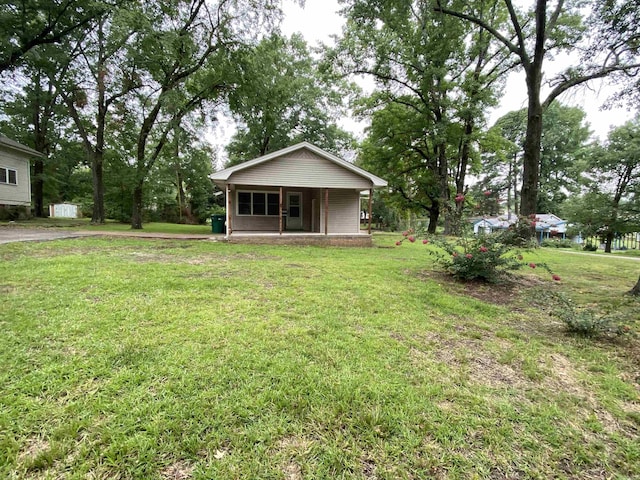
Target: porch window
{"type": "Point", "coordinates": [8, 175]}
{"type": "Point", "coordinates": [258, 203]}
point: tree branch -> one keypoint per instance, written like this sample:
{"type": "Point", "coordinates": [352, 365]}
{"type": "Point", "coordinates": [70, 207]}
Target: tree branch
{"type": "Point", "coordinates": [481, 23]}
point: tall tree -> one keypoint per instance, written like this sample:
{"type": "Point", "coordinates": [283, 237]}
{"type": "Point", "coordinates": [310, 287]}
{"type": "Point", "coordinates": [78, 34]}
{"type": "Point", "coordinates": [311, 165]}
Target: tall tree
{"type": "Point", "coordinates": [95, 74]}
{"type": "Point", "coordinates": [182, 49]}
{"type": "Point", "coordinates": [281, 98]}
{"type": "Point", "coordinates": [610, 206]}
{"type": "Point", "coordinates": [27, 24]}
{"type": "Point", "coordinates": [440, 77]}
{"type": "Point", "coordinates": [539, 34]}
{"type": "Point", "coordinates": [616, 171]}
{"type": "Point", "coordinates": [563, 148]}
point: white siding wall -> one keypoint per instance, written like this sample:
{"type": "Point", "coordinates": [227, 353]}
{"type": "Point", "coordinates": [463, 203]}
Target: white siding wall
{"type": "Point", "coordinates": [19, 194]}
{"type": "Point", "coordinates": [300, 169]}
{"type": "Point", "coordinates": [344, 211]}
{"type": "Point", "coordinates": [63, 210]}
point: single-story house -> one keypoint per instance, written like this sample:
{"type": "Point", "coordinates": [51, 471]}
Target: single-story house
{"type": "Point", "coordinates": [547, 225]}
{"type": "Point", "coordinates": [15, 176]}
{"type": "Point", "coordinates": [300, 194]}
{"type": "Point", "coordinates": [492, 224]}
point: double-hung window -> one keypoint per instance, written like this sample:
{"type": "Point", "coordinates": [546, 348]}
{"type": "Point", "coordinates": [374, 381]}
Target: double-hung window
{"type": "Point", "coordinates": [8, 175]}
{"type": "Point", "coordinates": [258, 203]}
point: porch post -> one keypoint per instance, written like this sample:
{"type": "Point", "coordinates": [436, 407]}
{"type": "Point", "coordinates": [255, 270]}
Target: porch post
{"type": "Point", "coordinates": [370, 205]}
{"type": "Point", "coordinates": [326, 211]}
{"type": "Point", "coordinates": [229, 209]}
{"type": "Point", "coordinates": [280, 213]}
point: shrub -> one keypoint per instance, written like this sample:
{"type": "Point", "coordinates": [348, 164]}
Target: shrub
{"type": "Point", "coordinates": [590, 247]}
{"type": "Point", "coordinates": [557, 243]}
{"type": "Point", "coordinates": [583, 321]}
{"type": "Point", "coordinates": [483, 257]}
{"type": "Point", "coordinates": [521, 234]}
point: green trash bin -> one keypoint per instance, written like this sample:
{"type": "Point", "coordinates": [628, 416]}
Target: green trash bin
{"type": "Point", "coordinates": [217, 223]}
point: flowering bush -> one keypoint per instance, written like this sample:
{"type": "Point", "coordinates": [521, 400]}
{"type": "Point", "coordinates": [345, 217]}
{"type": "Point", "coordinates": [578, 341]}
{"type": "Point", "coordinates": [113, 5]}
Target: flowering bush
{"type": "Point", "coordinates": [482, 257]}
{"type": "Point", "coordinates": [522, 233]}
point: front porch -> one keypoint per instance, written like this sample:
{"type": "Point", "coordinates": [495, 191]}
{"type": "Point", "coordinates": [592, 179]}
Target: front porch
{"type": "Point", "coordinates": [301, 238]}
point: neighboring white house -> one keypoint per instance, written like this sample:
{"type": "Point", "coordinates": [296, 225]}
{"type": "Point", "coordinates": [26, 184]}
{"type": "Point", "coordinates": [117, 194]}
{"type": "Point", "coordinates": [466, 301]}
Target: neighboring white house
{"type": "Point", "coordinates": [299, 191]}
{"type": "Point", "coordinates": [15, 176]}
{"type": "Point", "coordinates": [547, 225]}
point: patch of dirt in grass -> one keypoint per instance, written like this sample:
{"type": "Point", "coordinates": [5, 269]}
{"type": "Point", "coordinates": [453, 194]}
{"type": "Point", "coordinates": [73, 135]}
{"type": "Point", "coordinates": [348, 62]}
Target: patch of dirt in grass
{"type": "Point", "coordinates": [180, 470]}
{"type": "Point", "coordinates": [564, 379]}
{"type": "Point", "coordinates": [294, 444]}
{"type": "Point", "coordinates": [7, 289]}
{"type": "Point", "coordinates": [34, 447]}
{"type": "Point", "coordinates": [368, 468]}
{"type": "Point", "coordinates": [506, 293]}
{"type": "Point", "coordinates": [253, 256]}
{"type": "Point", "coordinates": [468, 356]}
{"type": "Point", "coordinates": [292, 471]}
{"type": "Point", "coordinates": [292, 447]}
{"type": "Point", "coordinates": [103, 473]}
{"type": "Point", "coordinates": [488, 371]}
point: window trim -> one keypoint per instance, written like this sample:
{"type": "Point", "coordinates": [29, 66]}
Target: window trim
{"type": "Point", "coordinates": [7, 170]}
{"type": "Point", "coordinates": [266, 204]}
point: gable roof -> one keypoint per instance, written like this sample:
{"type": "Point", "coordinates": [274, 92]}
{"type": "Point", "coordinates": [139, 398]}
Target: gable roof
{"type": "Point", "coordinates": [13, 145]}
{"type": "Point", "coordinates": [224, 175]}
{"type": "Point", "coordinates": [544, 221]}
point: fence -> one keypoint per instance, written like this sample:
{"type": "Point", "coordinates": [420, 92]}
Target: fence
{"type": "Point", "coordinates": [628, 241]}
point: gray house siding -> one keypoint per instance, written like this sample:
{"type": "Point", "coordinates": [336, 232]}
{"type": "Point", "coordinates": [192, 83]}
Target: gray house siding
{"type": "Point", "coordinates": [254, 187]}
{"type": "Point", "coordinates": [19, 194]}
{"type": "Point", "coordinates": [300, 169]}
{"type": "Point", "coordinates": [344, 211]}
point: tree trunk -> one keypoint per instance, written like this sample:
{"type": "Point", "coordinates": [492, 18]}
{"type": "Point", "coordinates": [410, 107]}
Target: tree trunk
{"type": "Point", "coordinates": [531, 160]}
{"type": "Point", "coordinates": [97, 216]}
{"type": "Point", "coordinates": [635, 291]}
{"type": "Point", "coordinates": [136, 214]}
{"type": "Point", "coordinates": [97, 159]}
{"type": "Point", "coordinates": [40, 120]}
{"type": "Point", "coordinates": [443, 204]}
{"type": "Point", "coordinates": [608, 242]}
{"type": "Point", "coordinates": [434, 213]}
{"type": "Point", "coordinates": [38, 188]}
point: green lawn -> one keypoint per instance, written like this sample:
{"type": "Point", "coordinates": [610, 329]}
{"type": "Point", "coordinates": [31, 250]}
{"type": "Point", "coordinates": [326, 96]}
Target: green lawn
{"type": "Point", "coordinates": [123, 358]}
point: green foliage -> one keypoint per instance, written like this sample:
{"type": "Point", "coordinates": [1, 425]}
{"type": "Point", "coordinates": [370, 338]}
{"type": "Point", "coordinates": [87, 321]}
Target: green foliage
{"type": "Point", "coordinates": [562, 157]}
{"type": "Point", "coordinates": [521, 234]}
{"type": "Point", "coordinates": [434, 80]}
{"type": "Point", "coordinates": [485, 257]}
{"type": "Point", "coordinates": [26, 25]}
{"type": "Point", "coordinates": [557, 243]}
{"type": "Point", "coordinates": [609, 207]}
{"type": "Point", "coordinates": [584, 320]}
{"type": "Point", "coordinates": [590, 247]}
{"type": "Point", "coordinates": [481, 257]}
{"type": "Point", "coordinates": [282, 97]}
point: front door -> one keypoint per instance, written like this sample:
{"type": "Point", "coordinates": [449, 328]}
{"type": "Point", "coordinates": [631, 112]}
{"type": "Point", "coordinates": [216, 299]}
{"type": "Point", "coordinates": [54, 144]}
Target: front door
{"type": "Point", "coordinates": [294, 211]}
